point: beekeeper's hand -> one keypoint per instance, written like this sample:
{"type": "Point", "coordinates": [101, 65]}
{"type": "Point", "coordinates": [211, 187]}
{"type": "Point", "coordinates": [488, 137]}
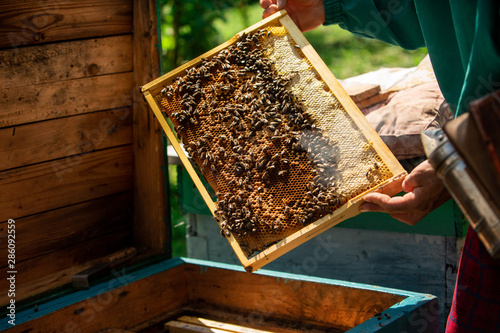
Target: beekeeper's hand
{"type": "Point", "coordinates": [307, 14]}
{"type": "Point", "coordinates": [425, 192]}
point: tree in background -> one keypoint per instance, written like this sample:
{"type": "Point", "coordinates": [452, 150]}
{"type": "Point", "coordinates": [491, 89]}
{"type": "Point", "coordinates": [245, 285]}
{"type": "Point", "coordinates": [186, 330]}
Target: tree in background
{"type": "Point", "coordinates": [188, 30]}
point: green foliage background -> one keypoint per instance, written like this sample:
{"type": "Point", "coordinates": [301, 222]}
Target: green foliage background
{"type": "Point", "coordinates": [190, 28]}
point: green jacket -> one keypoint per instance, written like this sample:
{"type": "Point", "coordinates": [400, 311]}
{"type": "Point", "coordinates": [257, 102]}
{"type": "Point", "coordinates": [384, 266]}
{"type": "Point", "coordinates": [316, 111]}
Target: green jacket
{"type": "Point", "coordinates": [461, 36]}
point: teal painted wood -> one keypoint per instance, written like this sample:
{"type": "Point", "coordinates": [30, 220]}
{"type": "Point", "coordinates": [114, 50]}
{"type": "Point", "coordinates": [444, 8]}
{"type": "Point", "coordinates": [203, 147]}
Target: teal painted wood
{"type": "Point", "coordinates": [398, 316]}
{"type": "Point", "coordinates": [121, 278]}
{"type": "Point", "coordinates": [412, 315]}
{"type": "Point", "coordinates": [190, 200]}
{"type": "Point", "coordinates": [447, 220]}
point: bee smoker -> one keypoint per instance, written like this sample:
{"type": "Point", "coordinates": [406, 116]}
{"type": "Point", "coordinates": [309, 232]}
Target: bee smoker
{"type": "Point", "coordinates": [469, 170]}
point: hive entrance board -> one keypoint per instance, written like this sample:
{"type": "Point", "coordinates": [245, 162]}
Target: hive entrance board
{"type": "Point", "coordinates": [282, 145]}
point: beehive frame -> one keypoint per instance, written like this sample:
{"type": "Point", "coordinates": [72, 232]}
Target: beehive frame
{"type": "Point", "coordinates": [296, 47]}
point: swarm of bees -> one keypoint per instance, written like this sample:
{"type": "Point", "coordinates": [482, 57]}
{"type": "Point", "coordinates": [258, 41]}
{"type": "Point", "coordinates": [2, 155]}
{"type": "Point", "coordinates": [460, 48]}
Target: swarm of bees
{"type": "Point", "coordinates": [272, 169]}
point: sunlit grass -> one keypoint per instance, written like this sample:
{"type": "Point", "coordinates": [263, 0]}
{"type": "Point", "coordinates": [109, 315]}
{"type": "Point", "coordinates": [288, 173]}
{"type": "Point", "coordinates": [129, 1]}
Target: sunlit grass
{"type": "Point", "coordinates": [347, 55]}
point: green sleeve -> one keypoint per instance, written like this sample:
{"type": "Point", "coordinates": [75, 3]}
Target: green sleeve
{"type": "Point", "coordinates": [392, 21]}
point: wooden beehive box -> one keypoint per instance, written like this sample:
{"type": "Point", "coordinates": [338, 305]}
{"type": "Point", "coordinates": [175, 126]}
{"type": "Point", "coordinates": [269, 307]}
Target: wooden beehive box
{"type": "Point", "coordinates": [147, 299]}
{"type": "Point", "coordinates": [81, 168]}
{"type": "Point", "coordinates": [285, 149]}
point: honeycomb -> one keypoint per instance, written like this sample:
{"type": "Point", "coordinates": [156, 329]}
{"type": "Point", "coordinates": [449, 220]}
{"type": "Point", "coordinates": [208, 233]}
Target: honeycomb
{"type": "Point", "coordinates": [275, 144]}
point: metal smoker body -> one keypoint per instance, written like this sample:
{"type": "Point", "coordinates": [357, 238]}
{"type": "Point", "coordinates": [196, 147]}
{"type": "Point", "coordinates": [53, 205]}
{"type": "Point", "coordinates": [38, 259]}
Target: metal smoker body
{"type": "Point", "coordinates": [451, 168]}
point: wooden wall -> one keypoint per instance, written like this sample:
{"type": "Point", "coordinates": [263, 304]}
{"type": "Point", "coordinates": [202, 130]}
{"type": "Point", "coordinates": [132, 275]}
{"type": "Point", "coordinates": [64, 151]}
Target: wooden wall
{"type": "Point", "coordinates": [77, 177]}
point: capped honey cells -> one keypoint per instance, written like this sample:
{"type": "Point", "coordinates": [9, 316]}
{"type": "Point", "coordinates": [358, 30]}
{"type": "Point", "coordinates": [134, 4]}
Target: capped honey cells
{"type": "Point", "coordinates": [276, 161]}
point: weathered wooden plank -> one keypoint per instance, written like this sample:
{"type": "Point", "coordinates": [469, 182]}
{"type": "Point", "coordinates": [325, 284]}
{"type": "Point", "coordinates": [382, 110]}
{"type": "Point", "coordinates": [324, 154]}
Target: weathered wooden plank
{"type": "Point", "coordinates": [453, 253]}
{"type": "Point", "coordinates": [149, 184]}
{"type": "Point", "coordinates": [122, 307]}
{"type": "Point", "coordinates": [389, 259]}
{"type": "Point", "coordinates": [55, 230]}
{"type": "Point", "coordinates": [64, 61]}
{"type": "Point", "coordinates": [380, 97]}
{"type": "Point", "coordinates": [361, 92]}
{"type": "Point", "coordinates": [55, 269]}
{"type": "Point", "coordinates": [179, 327]}
{"type": "Point", "coordinates": [36, 22]}
{"type": "Point", "coordinates": [212, 324]}
{"type": "Point", "coordinates": [42, 187]}
{"type": "Point", "coordinates": [279, 298]}
{"type": "Point", "coordinates": [257, 320]}
{"type": "Point", "coordinates": [20, 105]}
{"type": "Point", "coordinates": [53, 139]}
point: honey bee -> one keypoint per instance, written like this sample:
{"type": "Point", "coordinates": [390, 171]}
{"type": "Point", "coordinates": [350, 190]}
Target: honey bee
{"type": "Point", "coordinates": [265, 176]}
{"type": "Point", "coordinates": [282, 173]}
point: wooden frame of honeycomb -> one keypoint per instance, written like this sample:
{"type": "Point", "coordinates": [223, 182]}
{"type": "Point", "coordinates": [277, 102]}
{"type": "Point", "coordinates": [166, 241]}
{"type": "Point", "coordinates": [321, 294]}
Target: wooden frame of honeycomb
{"type": "Point", "coordinates": [286, 150]}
